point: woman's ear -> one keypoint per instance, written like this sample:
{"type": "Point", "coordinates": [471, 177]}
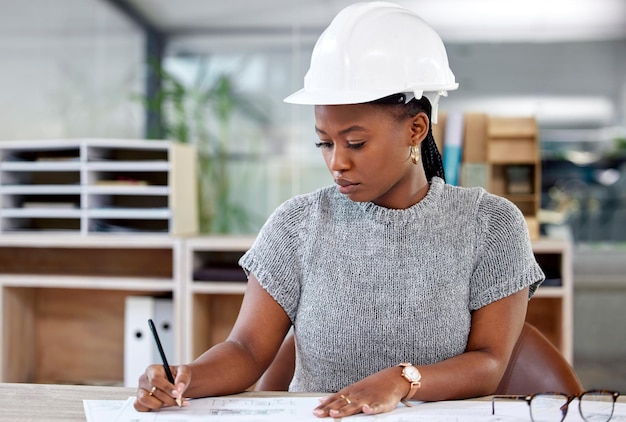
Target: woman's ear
{"type": "Point", "coordinates": [419, 127]}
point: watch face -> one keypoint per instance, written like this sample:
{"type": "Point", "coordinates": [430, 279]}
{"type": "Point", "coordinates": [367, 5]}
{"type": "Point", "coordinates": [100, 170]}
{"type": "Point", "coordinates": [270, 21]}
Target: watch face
{"type": "Point", "coordinates": [412, 373]}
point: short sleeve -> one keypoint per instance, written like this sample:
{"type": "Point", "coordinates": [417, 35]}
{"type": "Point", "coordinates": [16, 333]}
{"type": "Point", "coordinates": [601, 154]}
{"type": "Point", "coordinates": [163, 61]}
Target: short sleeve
{"type": "Point", "coordinates": [274, 256]}
{"type": "Point", "coordinates": [505, 262]}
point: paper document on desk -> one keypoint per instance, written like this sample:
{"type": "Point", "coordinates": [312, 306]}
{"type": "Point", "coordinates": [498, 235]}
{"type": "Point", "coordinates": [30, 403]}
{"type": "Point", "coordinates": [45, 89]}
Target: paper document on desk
{"type": "Point", "coordinates": [294, 408]}
{"type": "Point", "coordinates": [228, 409]}
{"type": "Point", "coordinates": [103, 410]}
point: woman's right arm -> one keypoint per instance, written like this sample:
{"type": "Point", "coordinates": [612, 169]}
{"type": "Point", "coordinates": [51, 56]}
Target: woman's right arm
{"type": "Point", "coordinates": [229, 367]}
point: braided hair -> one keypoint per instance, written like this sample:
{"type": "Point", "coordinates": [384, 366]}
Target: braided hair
{"type": "Point", "coordinates": [431, 158]}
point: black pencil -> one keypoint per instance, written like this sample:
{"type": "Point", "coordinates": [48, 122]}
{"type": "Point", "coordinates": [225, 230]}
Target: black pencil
{"type": "Point", "coordinates": [166, 365]}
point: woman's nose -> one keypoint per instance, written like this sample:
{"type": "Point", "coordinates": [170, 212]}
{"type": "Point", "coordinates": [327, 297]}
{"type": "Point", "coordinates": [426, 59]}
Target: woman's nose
{"type": "Point", "coordinates": [339, 160]}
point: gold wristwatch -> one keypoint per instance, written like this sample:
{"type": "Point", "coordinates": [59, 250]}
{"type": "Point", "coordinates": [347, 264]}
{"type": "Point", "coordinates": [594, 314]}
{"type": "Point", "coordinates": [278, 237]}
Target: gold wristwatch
{"type": "Point", "coordinates": [413, 376]}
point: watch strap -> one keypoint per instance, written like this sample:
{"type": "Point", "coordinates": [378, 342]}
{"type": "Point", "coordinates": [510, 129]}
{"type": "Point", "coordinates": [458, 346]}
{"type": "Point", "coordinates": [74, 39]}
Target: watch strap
{"type": "Point", "coordinates": [413, 385]}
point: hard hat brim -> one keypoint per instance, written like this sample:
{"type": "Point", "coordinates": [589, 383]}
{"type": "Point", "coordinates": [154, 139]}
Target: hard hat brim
{"type": "Point", "coordinates": [330, 97]}
{"type": "Point", "coordinates": [337, 97]}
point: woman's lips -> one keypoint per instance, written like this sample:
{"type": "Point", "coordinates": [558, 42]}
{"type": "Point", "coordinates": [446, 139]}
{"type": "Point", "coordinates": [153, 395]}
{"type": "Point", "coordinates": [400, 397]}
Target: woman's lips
{"type": "Point", "coordinates": [346, 186]}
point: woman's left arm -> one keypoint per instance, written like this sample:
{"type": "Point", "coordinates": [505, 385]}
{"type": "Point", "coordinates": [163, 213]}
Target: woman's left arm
{"type": "Point", "coordinates": [494, 331]}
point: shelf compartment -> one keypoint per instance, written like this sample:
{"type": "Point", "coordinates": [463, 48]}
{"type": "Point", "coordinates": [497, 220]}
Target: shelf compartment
{"type": "Point", "coordinates": [512, 151]}
{"type": "Point", "coordinates": [130, 177]}
{"type": "Point", "coordinates": [48, 201]}
{"type": "Point", "coordinates": [45, 213]}
{"type": "Point", "coordinates": [218, 266]}
{"type": "Point", "coordinates": [213, 317]}
{"type": "Point", "coordinates": [121, 189]}
{"type": "Point", "coordinates": [65, 335]}
{"type": "Point", "coordinates": [40, 189]}
{"type": "Point", "coordinates": [500, 181]}
{"type": "Point", "coordinates": [213, 299]}
{"type": "Point", "coordinates": [51, 151]}
{"type": "Point", "coordinates": [115, 204]}
{"type": "Point", "coordinates": [552, 266]}
{"type": "Point", "coordinates": [40, 177]}
{"type": "Point", "coordinates": [116, 183]}
{"type": "Point", "coordinates": [122, 226]}
{"type": "Point", "coordinates": [156, 166]}
{"type": "Point", "coordinates": [128, 151]}
{"type": "Point", "coordinates": [102, 262]}
{"type": "Point", "coordinates": [20, 224]}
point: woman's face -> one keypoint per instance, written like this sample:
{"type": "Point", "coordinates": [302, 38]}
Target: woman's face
{"type": "Point", "coordinates": [366, 149]}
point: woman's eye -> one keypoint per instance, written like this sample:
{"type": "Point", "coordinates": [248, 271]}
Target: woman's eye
{"type": "Point", "coordinates": [350, 145]}
{"type": "Point", "coordinates": [356, 145]}
{"type": "Point", "coordinates": [323, 144]}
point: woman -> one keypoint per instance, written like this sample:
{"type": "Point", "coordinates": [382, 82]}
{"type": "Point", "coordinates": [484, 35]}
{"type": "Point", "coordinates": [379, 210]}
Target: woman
{"type": "Point", "coordinates": [398, 286]}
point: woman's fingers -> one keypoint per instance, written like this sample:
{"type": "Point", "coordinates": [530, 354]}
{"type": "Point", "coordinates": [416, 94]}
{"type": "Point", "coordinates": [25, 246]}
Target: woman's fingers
{"type": "Point", "coordinates": [148, 399]}
{"type": "Point", "coordinates": [155, 391]}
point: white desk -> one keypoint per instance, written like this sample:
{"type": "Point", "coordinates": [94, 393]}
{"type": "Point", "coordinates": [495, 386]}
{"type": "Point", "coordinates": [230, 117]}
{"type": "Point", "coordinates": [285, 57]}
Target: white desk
{"type": "Point", "coordinates": [52, 403]}
{"type": "Point", "coordinates": [63, 403]}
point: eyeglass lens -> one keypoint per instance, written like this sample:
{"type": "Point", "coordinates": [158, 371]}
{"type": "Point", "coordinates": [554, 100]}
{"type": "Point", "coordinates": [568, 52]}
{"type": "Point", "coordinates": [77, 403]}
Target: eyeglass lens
{"type": "Point", "coordinates": [596, 406]}
{"type": "Point", "coordinates": [593, 407]}
{"type": "Point", "coordinates": [548, 408]}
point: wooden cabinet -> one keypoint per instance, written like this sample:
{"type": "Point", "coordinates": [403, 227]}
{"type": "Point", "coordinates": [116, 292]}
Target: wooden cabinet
{"type": "Point", "coordinates": [551, 309]}
{"type": "Point", "coordinates": [514, 164]}
{"type": "Point", "coordinates": [88, 186]}
{"type": "Point", "coordinates": [62, 299]}
{"type": "Point", "coordinates": [62, 302]}
{"type": "Point", "coordinates": [502, 155]}
{"type": "Point", "coordinates": [215, 285]}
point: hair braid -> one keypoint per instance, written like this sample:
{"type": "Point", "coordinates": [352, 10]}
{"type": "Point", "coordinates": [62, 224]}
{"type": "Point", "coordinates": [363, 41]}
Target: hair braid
{"type": "Point", "coordinates": [431, 158]}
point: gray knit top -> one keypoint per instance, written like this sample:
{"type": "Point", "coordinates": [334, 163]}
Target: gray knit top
{"type": "Point", "coordinates": [368, 287]}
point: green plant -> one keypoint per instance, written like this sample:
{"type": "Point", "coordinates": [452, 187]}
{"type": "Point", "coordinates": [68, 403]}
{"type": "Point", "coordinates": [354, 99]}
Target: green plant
{"type": "Point", "coordinates": [202, 114]}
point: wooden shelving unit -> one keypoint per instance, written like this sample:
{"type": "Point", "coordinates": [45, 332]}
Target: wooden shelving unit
{"type": "Point", "coordinates": [89, 186]}
{"type": "Point", "coordinates": [215, 285]}
{"type": "Point", "coordinates": [514, 164]}
{"type": "Point", "coordinates": [551, 309]}
{"type": "Point", "coordinates": [502, 155]}
{"type": "Point", "coordinates": [62, 302]}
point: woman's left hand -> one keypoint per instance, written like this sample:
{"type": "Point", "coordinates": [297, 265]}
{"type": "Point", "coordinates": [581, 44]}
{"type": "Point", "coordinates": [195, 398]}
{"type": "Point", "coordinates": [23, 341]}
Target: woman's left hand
{"type": "Point", "coordinates": [378, 393]}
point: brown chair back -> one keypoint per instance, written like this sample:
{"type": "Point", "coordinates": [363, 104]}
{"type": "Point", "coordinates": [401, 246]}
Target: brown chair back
{"type": "Point", "coordinates": [535, 366]}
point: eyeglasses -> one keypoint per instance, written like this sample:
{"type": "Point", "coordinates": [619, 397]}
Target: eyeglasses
{"type": "Point", "coordinates": [593, 405]}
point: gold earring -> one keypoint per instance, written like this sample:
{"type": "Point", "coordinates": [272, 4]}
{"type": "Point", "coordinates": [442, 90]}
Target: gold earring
{"type": "Point", "coordinates": [414, 153]}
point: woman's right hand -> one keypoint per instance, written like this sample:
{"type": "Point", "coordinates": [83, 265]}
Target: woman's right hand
{"type": "Point", "coordinates": [154, 391]}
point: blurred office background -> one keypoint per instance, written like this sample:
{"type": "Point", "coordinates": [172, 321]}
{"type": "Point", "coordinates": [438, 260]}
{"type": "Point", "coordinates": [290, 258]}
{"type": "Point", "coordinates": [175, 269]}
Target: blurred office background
{"type": "Point", "coordinates": [88, 68]}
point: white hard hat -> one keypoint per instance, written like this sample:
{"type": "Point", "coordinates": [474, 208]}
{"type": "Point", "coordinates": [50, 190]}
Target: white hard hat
{"type": "Point", "coordinates": [373, 50]}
